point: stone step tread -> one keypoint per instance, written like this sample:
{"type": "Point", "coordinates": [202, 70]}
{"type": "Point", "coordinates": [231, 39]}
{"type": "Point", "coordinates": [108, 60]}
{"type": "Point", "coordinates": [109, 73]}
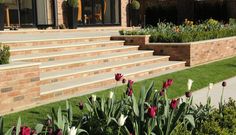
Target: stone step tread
{"type": "Point", "coordinates": [54, 74]}
{"type": "Point", "coordinates": [59, 86]}
{"type": "Point", "coordinates": [92, 58]}
{"type": "Point", "coordinates": [66, 53]}
{"type": "Point", "coordinates": [51, 46]}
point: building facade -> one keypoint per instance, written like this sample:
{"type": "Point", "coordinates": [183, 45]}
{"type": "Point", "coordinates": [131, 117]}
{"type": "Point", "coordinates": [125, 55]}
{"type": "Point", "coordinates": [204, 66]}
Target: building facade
{"type": "Point", "coordinates": [53, 13]}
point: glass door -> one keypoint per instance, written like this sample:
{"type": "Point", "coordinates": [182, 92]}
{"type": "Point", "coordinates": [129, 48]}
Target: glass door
{"type": "Point", "coordinates": [26, 13]}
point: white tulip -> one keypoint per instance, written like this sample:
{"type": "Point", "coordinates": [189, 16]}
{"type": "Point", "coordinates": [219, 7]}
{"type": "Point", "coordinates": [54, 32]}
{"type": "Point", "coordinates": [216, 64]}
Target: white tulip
{"type": "Point", "coordinates": [190, 82]}
{"type": "Point", "coordinates": [94, 98]}
{"type": "Point", "coordinates": [72, 131]}
{"type": "Point", "coordinates": [111, 94]}
{"type": "Point", "coordinates": [210, 87]}
{"type": "Point", "coordinates": [121, 120]}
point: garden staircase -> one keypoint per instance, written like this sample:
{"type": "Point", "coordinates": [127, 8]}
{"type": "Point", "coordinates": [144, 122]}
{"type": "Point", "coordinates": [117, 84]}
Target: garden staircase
{"type": "Point", "coordinates": [76, 66]}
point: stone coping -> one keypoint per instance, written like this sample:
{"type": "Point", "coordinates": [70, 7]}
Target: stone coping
{"type": "Point", "coordinates": [56, 39]}
{"type": "Point", "coordinates": [132, 36]}
{"type": "Point", "coordinates": [18, 65]}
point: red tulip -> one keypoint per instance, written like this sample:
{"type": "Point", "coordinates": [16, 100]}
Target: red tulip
{"type": "Point", "coordinates": [25, 131]}
{"type": "Point", "coordinates": [118, 76]}
{"type": "Point", "coordinates": [165, 85]}
{"type": "Point", "coordinates": [59, 132]}
{"type": "Point", "coordinates": [170, 82]}
{"type": "Point", "coordinates": [129, 92]}
{"type": "Point", "coordinates": [130, 83]}
{"type": "Point", "coordinates": [50, 131]}
{"type": "Point", "coordinates": [174, 103]}
{"type": "Point", "coordinates": [33, 132]}
{"type": "Point", "coordinates": [152, 111]}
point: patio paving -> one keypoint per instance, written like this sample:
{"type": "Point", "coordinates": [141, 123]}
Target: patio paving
{"type": "Point", "coordinates": [215, 94]}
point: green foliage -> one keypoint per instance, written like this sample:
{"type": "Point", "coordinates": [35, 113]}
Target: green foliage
{"type": "Point", "coordinates": [4, 54]}
{"type": "Point", "coordinates": [135, 4]}
{"type": "Point", "coordinates": [2, 1]}
{"type": "Point", "coordinates": [187, 32]}
{"type": "Point", "coordinates": [73, 3]}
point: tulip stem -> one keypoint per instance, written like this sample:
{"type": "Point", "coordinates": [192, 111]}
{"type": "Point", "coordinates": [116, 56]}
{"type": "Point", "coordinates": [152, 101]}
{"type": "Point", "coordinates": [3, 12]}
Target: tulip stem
{"type": "Point", "coordinates": [119, 131]}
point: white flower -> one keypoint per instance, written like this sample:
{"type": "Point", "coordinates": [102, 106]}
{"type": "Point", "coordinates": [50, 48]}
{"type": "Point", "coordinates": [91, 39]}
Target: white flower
{"type": "Point", "coordinates": [156, 90]}
{"type": "Point", "coordinates": [121, 120]}
{"type": "Point", "coordinates": [190, 82]}
{"type": "Point", "coordinates": [94, 97]}
{"type": "Point", "coordinates": [72, 131]}
{"type": "Point", "coordinates": [210, 87]}
{"type": "Point", "coordinates": [111, 94]}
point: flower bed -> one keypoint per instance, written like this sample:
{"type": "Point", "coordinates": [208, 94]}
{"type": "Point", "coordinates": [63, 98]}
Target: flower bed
{"type": "Point", "coordinates": [187, 32]}
{"type": "Point", "coordinates": [151, 113]}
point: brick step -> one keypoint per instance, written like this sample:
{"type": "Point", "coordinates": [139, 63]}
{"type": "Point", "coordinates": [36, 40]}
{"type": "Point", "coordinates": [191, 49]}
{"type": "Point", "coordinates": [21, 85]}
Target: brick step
{"type": "Point", "coordinates": [85, 71]}
{"type": "Point", "coordinates": [92, 60]}
{"type": "Point", "coordinates": [63, 47]}
{"type": "Point", "coordinates": [65, 55]}
{"type": "Point", "coordinates": [77, 86]}
{"type": "Point", "coordinates": [29, 43]}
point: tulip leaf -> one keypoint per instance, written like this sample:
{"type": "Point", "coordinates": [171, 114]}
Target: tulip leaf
{"type": "Point", "coordinates": [18, 126]}
{"type": "Point", "coordinates": [70, 114]}
{"type": "Point", "coordinates": [135, 106]}
{"type": "Point", "coordinates": [1, 126]}
{"type": "Point", "coordinates": [190, 119]}
{"type": "Point", "coordinates": [149, 91]}
{"type": "Point", "coordinates": [9, 132]}
{"type": "Point", "coordinates": [39, 128]}
{"type": "Point", "coordinates": [89, 108]}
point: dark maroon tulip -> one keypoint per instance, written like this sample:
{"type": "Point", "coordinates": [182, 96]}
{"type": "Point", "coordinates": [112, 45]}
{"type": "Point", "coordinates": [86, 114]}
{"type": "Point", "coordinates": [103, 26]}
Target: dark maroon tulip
{"type": "Point", "coordinates": [162, 92]}
{"type": "Point", "coordinates": [118, 76]}
{"type": "Point", "coordinates": [165, 85]}
{"type": "Point", "coordinates": [130, 83]}
{"type": "Point", "coordinates": [33, 132]}
{"type": "Point", "coordinates": [59, 132]}
{"type": "Point", "coordinates": [81, 105]}
{"type": "Point", "coordinates": [188, 94]}
{"type": "Point", "coordinates": [152, 111]}
{"type": "Point", "coordinates": [224, 84]}
{"type": "Point", "coordinates": [129, 92]}
{"type": "Point", "coordinates": [50, 131]}
{"type": "Point", "coordinates": [170, 82]}
{"type": "Point", "coordinates": [25, 131]}
{"type": "Point", "coordinates": [174, 103]}
{"type": "Point", "coordinates": [124, 81]}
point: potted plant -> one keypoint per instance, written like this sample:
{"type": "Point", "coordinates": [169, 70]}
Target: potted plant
{"type": "Point", "coordinates": [72, 13]}
{"type": "Point", "coordinates": [2, 16]}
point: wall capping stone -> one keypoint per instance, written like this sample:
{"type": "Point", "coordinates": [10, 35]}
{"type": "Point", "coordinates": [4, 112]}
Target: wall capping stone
{"type": "Point", "coordinates": [17, 65]}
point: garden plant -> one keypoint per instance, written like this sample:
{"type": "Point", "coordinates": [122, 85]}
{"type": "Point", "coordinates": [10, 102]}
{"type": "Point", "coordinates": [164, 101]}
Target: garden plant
{"type": "Point", "coordinates": [148, 112]}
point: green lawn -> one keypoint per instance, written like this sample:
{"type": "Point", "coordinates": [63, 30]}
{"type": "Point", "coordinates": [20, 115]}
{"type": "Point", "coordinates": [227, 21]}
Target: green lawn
{"type": "Point", "coordinates": [202, 76]}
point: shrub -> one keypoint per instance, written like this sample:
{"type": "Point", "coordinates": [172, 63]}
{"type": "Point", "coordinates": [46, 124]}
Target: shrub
{"type": "Point", "coordinates": [187, 32]}
{"type": "Point", "coordinates": [4, 54]}
{"type": "Point", "coordinates": [135, 4]}
{"type": "Point", "coordinates": [73, 3]}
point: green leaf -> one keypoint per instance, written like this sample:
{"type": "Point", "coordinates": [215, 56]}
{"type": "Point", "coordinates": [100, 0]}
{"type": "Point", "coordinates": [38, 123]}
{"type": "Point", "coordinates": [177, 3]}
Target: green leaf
{"type": "Point", "coordinates": [190, 119]}
{"type": "Point", "coordinates": [18, 126]}
{"type": "Point", "coordinates": [82, 131]}
{"type": "Point", "coordinates": [70, 114]}
{"type": "Point", "coordinates": [149, 91]}
{"type": "Point", "coordinates": [135, 106]}
{"type": "Point", "coordinates": [89, 108]}
{"type": "Point", "coordinates": [39, 128]}
{"type": "Point", "coordinates": [1, 126]}
{"type": "Point", "coordinates": [9, 132]}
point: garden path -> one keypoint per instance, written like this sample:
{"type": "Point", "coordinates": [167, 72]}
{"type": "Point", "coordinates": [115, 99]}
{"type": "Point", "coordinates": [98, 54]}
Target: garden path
{"type": "Point", "coordinates": [200, 96]}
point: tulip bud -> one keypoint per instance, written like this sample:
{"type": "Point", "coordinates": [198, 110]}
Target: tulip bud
{"type": "Point", "coordinates": [129, 92]}
{"type": "Point", "coordinates": [94, 98]}
{"type": "Point", "coordinates": [59, 132]}
{"type": "Point", "coordinates": [121, 120]}
{"type": "Point", "coordinates": [170, 82]}
{"type": "Point", "coordinates": [190, 82]}
{"type": "Point", "coordinates": [174, 103]}
{"type": "Point", "coordinates": [118, 76]}
{"type": "Point", "coordinates": [152, 111]}
{"type": "Point", "coordinates": [130, 83]}
{"type": "Point", "coordinates": [188, 94]}
{"type": "Point", "coordinates": [111, 95]}
{"type": "Point", "coordinates": [49, 122]}
{"type": "Point", "coordinates": [81, 105]}
{"type": "Point", "coordinates": [224, 84]}
{"type": "Point", "coordinates": [162, 93]}
{"type": "Point", "coordinates": [124, 81]}
{"type": "Point", "coordinates": [50, 131]}
{"type": "Point", "coordinates": [165, 85]}
{"type": "Point", "coordinates": [72, 131]}
{"type": "Point", "coordinates": [210, 87]}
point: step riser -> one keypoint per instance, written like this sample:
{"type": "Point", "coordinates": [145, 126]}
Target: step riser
{"type": "Point", "coordinates": [80, 55]}
{"type": "Point", "coordinates": [68, 48]}
{"type": "Point", "coordinates": [76, 65]}
{"type": "Point", "coordinates": [86, 88]}
{"type": "Point", "coordinates": [58, 42]}
{"type": "Point", "coordinates": [91, 73]}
